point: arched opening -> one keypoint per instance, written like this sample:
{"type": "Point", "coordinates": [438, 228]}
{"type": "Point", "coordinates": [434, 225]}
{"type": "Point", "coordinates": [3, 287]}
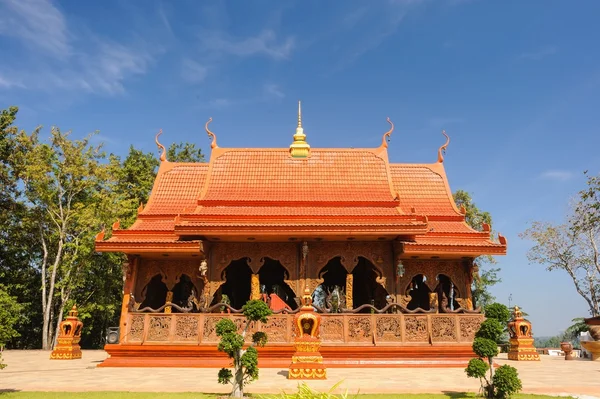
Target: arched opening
{"type": "Point", "coordinates": [365, 288]}
{"type": "Point", "coordinates": [184, 294]}
{"type": "Point", "coordinates": [447, 293]}
{"type": "Point", "coordinates": [419, 293]}
{"type": "Point", "coordinates": [237, 277]}
{"type": "Point", "coordinates": [332, 292]}
{"type": "Point", "coordinates": [154, 293]}
{"type": "Point", "coordinates": [271, 277]}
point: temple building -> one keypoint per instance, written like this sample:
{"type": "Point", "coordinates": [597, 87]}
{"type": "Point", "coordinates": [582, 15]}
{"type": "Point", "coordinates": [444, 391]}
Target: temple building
{"type": "Point", "coordinates": [382, 247]}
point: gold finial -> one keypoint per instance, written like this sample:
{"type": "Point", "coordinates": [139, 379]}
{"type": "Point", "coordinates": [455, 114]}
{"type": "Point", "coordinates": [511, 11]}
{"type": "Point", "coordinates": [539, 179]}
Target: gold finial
{"type": "Point", "coordinates": [211, 134]}
{"type": "Point", "coordinates": [299, 148]}
{"type": "Point", "coordinates": [386, 135]}
{"type": "Point", "coordinates": [163, 156]}
{"type": "Point", "coordinates": [442, 149]}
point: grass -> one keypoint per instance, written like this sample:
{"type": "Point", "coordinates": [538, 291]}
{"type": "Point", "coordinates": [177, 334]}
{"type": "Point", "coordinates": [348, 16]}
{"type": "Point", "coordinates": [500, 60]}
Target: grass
{"type": "Point", "coordinates": [190, 395]}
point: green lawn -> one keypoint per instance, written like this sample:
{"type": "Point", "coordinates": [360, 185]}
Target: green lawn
{"type": "Point", "coordinates": [187, 395]}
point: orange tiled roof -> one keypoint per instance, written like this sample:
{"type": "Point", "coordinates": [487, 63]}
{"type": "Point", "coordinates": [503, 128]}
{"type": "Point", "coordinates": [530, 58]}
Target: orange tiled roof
{"type": "Point", "coordinates": [271, 175]}
{"type": "Point", "coordinates": [332, 192]}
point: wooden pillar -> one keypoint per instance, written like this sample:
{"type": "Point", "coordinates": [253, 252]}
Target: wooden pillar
{"type": "Point", "coordinates": [349, 289]}
{"type": "Point", "coordinates": [130, 272]}
{"type": "Point", "coordinates": [254, 286]}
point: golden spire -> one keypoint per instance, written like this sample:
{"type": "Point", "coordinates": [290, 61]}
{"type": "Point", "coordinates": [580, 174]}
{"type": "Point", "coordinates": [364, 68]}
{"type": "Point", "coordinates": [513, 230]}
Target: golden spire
{"type": "Point", "coordinates": [299, 148]}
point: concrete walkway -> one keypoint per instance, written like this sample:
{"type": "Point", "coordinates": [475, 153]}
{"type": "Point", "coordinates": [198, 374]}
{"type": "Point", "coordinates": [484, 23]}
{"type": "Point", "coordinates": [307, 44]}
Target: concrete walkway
{"type": "Point", "coordinates": [34, 371]}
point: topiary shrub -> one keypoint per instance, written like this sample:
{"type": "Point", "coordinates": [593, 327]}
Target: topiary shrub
{"type": "Point", "coordinates": [485, 346]}
{"type": "Point", "coordinates": [506, 381]}
{"type": "Point", "coordinates": [245, 361]}
{"type": "Point", "coordinates": [497, 311]}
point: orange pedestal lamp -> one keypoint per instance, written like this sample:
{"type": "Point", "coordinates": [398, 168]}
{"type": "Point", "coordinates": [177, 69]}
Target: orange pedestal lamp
{"type": "Point", "coordinates": [521, 338]}
{"type": "Point", "coordinates": [67, 346]}
{"type": "Point", "coordinates": [307, 362]}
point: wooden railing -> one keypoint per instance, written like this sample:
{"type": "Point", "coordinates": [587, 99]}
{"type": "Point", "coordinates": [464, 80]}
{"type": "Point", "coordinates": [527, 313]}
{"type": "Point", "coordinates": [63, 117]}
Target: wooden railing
{"type": "Point", "coordinates": [340, 329]}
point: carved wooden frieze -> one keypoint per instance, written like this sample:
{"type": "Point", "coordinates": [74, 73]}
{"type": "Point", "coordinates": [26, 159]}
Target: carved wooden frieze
{"type": "Point", "coordinates": [276, 329]}
{"type": "Point", "coordinates": [443, 329]}
{"type": "Point", "coordinates": [223, 253]}
{"type": "Point", "coordinates": [186, 328]}
{"type": "Point", "coordinates": [158, 328]}
{"type": "Point", "coordinates": [389, 329]}
{"type": "Point", "coordinates": [360, 329]}
{"type": "Point", "coordinates": [332, 329]}
{"type": "Point", "coordinates": [431, 269]}
{"type": "Point", "coordinates": [378, 253]}
{"type": "Point", "coordinates": [469, 325]}
{"type": "Point", "coordinates": [416, 328]}
{"type": "Point", "coordinates": [136, 328]}
{"type": "Point", "coordinates": [209, 333]}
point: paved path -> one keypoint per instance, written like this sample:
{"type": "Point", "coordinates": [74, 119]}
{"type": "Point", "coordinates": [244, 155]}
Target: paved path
{"type": "Point", "coordinates": [34, 371]}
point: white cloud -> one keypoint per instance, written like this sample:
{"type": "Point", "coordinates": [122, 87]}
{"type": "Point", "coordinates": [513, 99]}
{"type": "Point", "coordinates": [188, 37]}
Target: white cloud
{"type": "Point", "coordinates": [557, 175]}
{"type": "Point", "coordinates": [37, 23]}
{"type": "Point", "coordinates": [539, 54]}
{"type": "Point", "coordinates": [265, 43]}
{"type": "Point", "coordinates": [192, 71]}
{"type": "Point", "coordinates": [96, 66]}
{"type": "Point", "coordinates": [273, 90]}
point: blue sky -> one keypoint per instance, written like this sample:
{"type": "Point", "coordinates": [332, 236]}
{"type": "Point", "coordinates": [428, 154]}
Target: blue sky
{"type": "Point", "coordinates": [514, 83]}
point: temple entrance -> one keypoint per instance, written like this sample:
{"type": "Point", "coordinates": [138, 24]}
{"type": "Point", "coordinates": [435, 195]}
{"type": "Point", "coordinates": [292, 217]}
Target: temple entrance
{"type": "Point", "coordinates": [271, 277]}
{"type": "Point", "coordinates": [447, 293]}
{"type": "Point", "coordinates": [332, 292]}
{"type": "Point", "coordinates": [184, 294]}
{"type": "Point", "coordinates": [154, 293]}
{"type": "Point", "coordinates": [365, 288]}
{"type": "Point", "coordinates": [236, 287]}
{"type": "Point", "coordinates": [419, 292]}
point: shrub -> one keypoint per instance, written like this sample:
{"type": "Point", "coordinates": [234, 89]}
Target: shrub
{"type": "Point", "coordinates": [245, 361]}
{"type": "Point", "coordinates": [506, 381]}
{"type": "Point", "coordinates": [497, 311]}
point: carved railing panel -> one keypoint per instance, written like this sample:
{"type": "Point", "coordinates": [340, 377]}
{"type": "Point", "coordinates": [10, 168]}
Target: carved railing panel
{"type": "Point", "coordinates": [336, 329]}
{"type": "Point", "coordinates": [360, 329]}
{"type": "Point", "coordinates": [443, 328]}
{"type": "Point", "coordinates": [416, 328]}
{"type": "Point", "coordinates": [468, 326]}
{"type": "Point", "coordinates": [332, 329]}
{"type": "Point", "coordinates": [389, 328]}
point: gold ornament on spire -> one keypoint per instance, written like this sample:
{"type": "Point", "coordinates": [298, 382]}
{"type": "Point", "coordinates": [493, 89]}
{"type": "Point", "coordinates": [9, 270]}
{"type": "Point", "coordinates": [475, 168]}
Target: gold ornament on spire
{"type": "Point", "coordinates": [442, 149]}
{"type": "Point", "coordinates": [299, 148]}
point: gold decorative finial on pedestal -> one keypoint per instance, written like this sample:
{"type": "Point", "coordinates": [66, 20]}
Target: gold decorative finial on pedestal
{"type": "Point", "coordinates": [307, 362]}
{"type": "Point", "coordinates": [299, 148]}
{"type": "Point", "coordinates": [521, 338]}
{"type": "Point", "coordinates": [67, 346]}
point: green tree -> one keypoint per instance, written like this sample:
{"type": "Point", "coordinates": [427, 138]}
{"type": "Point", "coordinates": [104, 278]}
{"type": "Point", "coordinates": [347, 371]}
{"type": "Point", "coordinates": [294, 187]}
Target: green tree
{"type": "Point", "coordinates": [10, 311]}
{"type": "Point", "coordinates": [17, 271]}
{"type": "Point", "coordinates": [487, 275]}
{"type": "Point", "coordinates": [64, 183]}
{"type": "Point", "coordinates": [184, 152]}
{"type": "Point", "coordinates": [245, 361]}
{"type": "Point", "coordinates": [573, 247]}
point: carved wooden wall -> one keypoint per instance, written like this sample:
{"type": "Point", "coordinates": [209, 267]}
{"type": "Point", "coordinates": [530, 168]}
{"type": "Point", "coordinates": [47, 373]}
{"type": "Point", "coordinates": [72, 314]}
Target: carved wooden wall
{"type": "Point", "coordinates": [171, 272]}
{"type": "Point", "coordinates": [348, 329]}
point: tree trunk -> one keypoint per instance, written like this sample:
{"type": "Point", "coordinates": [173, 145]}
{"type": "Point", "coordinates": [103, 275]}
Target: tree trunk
{"type": "Point", "coordinates": [490, 387]}
{"type": "Point", "coordinates": [238, 382]}
{"type": "Point", "coordinates": [46, 330]}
